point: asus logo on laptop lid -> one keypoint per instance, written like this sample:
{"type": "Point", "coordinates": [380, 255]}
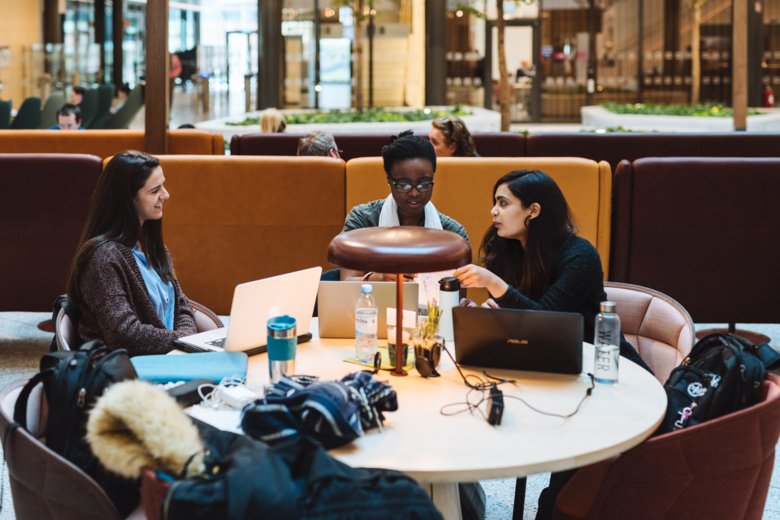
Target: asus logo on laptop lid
{"type": "Point", "coordinates": [513, 341]}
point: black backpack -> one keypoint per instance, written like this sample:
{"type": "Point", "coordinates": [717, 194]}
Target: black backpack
{"type": "Point", "coordinates": [722, 374]}
{"type": "Point", "coordinates": [72, 382]}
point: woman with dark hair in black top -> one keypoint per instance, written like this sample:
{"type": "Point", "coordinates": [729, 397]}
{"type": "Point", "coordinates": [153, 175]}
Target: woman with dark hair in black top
{"type": "Point", "coordinates": [533, 260]}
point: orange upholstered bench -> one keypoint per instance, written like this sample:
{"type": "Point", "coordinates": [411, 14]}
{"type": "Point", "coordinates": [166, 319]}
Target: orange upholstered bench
{"type": "Point", "coordinates": [464, 191]}
{"type": "Point", "coordinates": [236, 219]}
{"type": "Point", "coordinates": [105, 143]}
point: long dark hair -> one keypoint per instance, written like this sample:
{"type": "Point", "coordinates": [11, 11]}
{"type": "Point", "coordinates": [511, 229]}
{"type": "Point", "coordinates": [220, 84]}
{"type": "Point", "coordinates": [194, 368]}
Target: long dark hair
{"type": "Point", "coordinates": [530, 268]}
{"type": "Point", "coordinates": [112, 217]}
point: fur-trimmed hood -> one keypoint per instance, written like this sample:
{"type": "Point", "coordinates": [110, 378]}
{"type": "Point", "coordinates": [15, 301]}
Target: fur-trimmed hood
{"type": "Point", "coordinates": [136, 424]}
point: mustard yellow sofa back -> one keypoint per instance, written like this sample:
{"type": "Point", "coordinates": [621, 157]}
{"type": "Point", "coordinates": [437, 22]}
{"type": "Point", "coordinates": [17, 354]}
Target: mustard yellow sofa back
{"type": "Point", "coordinates": [464, 191]}
{"type": "Point", "coordinates": [105, 143]}
{"type": "Point", "coordinates": [235, 219]}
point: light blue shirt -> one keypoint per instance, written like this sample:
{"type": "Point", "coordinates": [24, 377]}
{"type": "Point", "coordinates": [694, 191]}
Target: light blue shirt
{"type": "Point", "coordinates": [161, 293]}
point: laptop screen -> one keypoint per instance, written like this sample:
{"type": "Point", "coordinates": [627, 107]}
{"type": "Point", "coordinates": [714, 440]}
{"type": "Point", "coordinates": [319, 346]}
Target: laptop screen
{"type": "Point", "coordinates": [514, 339]}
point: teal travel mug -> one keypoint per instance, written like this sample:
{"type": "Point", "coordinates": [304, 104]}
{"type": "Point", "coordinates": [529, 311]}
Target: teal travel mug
{"type": "Point", "coordinates": [282, 346]}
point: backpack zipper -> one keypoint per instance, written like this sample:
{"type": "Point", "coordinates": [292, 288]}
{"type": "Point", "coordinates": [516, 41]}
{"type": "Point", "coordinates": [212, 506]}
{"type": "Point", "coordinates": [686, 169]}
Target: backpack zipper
{"type": "Point", "coordinates": [95, 370]}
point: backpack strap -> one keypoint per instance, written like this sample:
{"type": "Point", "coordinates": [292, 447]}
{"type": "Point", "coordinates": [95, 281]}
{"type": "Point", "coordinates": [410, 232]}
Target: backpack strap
{"type": "Point", "coordinates": [20, 408]}
{"type": "Point", "coordinates": [768, 356]}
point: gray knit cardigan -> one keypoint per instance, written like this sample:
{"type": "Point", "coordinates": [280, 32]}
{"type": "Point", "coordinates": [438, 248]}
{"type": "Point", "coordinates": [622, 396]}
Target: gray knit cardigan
{"type": "Point", "coordinates": [116, 306]}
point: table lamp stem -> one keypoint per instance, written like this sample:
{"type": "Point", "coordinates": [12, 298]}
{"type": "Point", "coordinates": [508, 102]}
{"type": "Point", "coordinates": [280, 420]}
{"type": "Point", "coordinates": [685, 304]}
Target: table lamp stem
{"type": "Point", "coordinates": [399, 326]}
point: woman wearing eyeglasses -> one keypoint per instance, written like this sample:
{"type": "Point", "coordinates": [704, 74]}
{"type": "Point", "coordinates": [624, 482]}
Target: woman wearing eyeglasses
{"type": "Point", "coordinates": [450, 138]}
{"type": "Point", "coordinates": [410, 163]}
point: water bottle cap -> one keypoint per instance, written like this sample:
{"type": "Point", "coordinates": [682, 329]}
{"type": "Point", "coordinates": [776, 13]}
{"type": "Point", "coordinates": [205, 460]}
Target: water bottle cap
{"type": "Point", "coordinates": [450, 283]}
{"type": "Point", "coordinates": [608, 306]}
{"type": "Point", "coordinates": [366, 288]}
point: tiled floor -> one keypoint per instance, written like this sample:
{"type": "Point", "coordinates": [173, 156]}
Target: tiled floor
{"type": "Point", "coordinates": [22, 344]}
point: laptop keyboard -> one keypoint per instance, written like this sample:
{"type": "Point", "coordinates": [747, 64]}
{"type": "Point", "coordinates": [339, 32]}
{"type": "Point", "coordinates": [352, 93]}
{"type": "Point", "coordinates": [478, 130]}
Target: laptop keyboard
{"type": "Point", "coordinates": [220, 342]}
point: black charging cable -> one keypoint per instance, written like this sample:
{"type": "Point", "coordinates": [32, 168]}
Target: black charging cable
{"type": "Point", "coordinates": [475, 397]}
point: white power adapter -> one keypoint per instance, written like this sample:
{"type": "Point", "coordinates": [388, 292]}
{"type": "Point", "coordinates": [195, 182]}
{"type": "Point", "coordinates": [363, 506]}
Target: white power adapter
{"type": "Point", "coordinates": [234, 396]}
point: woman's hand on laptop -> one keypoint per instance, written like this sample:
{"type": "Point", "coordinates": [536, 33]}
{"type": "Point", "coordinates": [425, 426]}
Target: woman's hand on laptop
{"type": "Point", "coordinates": [490, 303]}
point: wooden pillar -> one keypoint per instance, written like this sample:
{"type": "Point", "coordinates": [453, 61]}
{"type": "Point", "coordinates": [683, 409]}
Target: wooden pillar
{"type": "Point", "coordinates": [52, 26]}
{"type": "Point", "coordinates": [435, 52]}
{"type": "Point", "coordinates": [270, 55]}
{"type": "Point", "coordinates": [100, 32]}
{"type": "Point", "coordinates": [755, 51]}
{"type": "Point", "coordinates": [739, 64]}
{"type": "Point", "coordinates": [117, 32]}
{"type": "Point", "coordinates": [157, 85]}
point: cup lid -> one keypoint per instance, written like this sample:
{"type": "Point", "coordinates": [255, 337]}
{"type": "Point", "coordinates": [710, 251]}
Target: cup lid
{"type": "Point", "coordinates": [449, 283]}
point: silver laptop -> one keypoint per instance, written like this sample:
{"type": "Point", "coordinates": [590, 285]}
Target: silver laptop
{"type": "Point", "coordinates": [543, 341]}
{"type": "Point", "coordinates": [253, 303]}
{"type": "Point", "coordinates": [336, 306]}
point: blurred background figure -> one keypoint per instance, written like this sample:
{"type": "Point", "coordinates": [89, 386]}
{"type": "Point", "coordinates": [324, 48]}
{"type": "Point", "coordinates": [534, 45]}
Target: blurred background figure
{"type": "Point", "coordinates": [77, 95]}
{"type": "Point", "coordinates": [450, 138]}
{"type": "Point", "coordinates": [318, 144]}
{"type": "Point", "coordinates": [272, 121]}
{"type": "Point", "coordinates": [68, 118]}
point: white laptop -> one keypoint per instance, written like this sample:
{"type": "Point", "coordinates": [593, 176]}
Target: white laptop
{"type": "Point", "coordinates": [336, 306]}
{"type": "Point", "coordinates": [293, 294]}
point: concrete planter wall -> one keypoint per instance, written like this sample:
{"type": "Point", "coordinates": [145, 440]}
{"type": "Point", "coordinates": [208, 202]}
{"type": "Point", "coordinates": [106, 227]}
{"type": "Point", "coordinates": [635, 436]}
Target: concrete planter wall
{"type": "Point", "coordinates": [599, 117]}
{"type": "Point", "coordinates": [480, 120]}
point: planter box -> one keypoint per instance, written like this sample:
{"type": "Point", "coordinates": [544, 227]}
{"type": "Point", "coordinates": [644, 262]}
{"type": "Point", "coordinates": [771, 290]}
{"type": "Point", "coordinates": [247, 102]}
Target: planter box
{"type": "Point", "coordinates": [599, 117]}
{"type": "Point", "coordinates": [480, 120]}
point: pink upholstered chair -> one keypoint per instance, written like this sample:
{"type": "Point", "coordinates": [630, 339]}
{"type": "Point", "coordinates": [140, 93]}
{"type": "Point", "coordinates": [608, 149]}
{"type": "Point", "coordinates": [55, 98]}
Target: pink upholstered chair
{"type": "Point", "coordinates": [655, 324]}
{"type": "Point", "coordinates": [44, 484]}
{"type": "Point", "coordinates": [717, 469]}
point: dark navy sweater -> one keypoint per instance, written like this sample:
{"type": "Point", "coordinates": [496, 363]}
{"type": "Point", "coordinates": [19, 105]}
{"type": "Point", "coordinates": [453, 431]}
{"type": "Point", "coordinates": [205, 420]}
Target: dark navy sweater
{"type": "Point", "coordinates": [577, 286]}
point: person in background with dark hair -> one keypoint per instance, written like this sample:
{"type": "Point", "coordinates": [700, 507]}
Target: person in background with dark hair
{"type": "Point", "coordinates": [186, 126]}
{"type": "Point", "coordinates": [68, 118]}
{"type": "Point", "coordinates": [450, 138]}
{"type": "Point", "coordinates": [409, 163]}
{"type": "Point", "coordinates": [320, 144]}
{"type": "Point", "coordinates": [122, 93]}
{"type": "Point", "coordinates": [122, 278]}
{"type": "Point", "coordinates": [533, 260]}
{"type": "Point", "coordinates": [77, 95]}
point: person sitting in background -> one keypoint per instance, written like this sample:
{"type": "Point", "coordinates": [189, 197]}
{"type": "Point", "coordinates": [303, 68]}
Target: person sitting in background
{"type": "Point", "coordinates": [272, 121]}
{"type": "Point", "coordinates": [318, 144]}
{"type": "Point", "coordinates": [122, 279]}
{"type": "Point", "coordinates": [450, 138]}
{"type": "Point", "coordinates": [122, 92]}
{"type": "Point", "coordinates": [409, 163]}
{"type": "Point", "coordinates": [77, 95]}
{"type": "Point", "coordinates": [68, 118]}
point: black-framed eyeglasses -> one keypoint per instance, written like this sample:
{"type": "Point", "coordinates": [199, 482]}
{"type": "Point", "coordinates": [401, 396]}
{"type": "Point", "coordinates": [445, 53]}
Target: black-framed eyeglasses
{"type": "Point", "coordinates": [406, 187]}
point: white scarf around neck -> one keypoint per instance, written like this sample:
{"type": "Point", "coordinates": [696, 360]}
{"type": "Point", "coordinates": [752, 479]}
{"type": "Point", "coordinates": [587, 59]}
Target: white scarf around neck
{"type": "Point", "coordinates": [388, 217]}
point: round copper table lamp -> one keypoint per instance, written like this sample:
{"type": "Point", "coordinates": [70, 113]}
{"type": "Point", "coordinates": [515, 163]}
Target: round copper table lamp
{"type": "Point", "coordinates": [403, 249]}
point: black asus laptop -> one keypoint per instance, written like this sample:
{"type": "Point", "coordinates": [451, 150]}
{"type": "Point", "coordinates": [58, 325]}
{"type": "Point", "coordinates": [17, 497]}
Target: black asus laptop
{"type": "Point", "coordinates": [512, 339]}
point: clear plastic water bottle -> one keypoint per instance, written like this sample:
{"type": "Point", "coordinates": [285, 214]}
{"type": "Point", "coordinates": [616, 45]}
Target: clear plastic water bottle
{"type": "Point", "coordinates": [607, 343]}
{"type": "Point", "coordinates": [365, 325]}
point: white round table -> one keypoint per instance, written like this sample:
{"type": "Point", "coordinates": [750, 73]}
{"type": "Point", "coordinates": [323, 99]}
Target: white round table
{"type": "Point", "coordinates": [442, 450]}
